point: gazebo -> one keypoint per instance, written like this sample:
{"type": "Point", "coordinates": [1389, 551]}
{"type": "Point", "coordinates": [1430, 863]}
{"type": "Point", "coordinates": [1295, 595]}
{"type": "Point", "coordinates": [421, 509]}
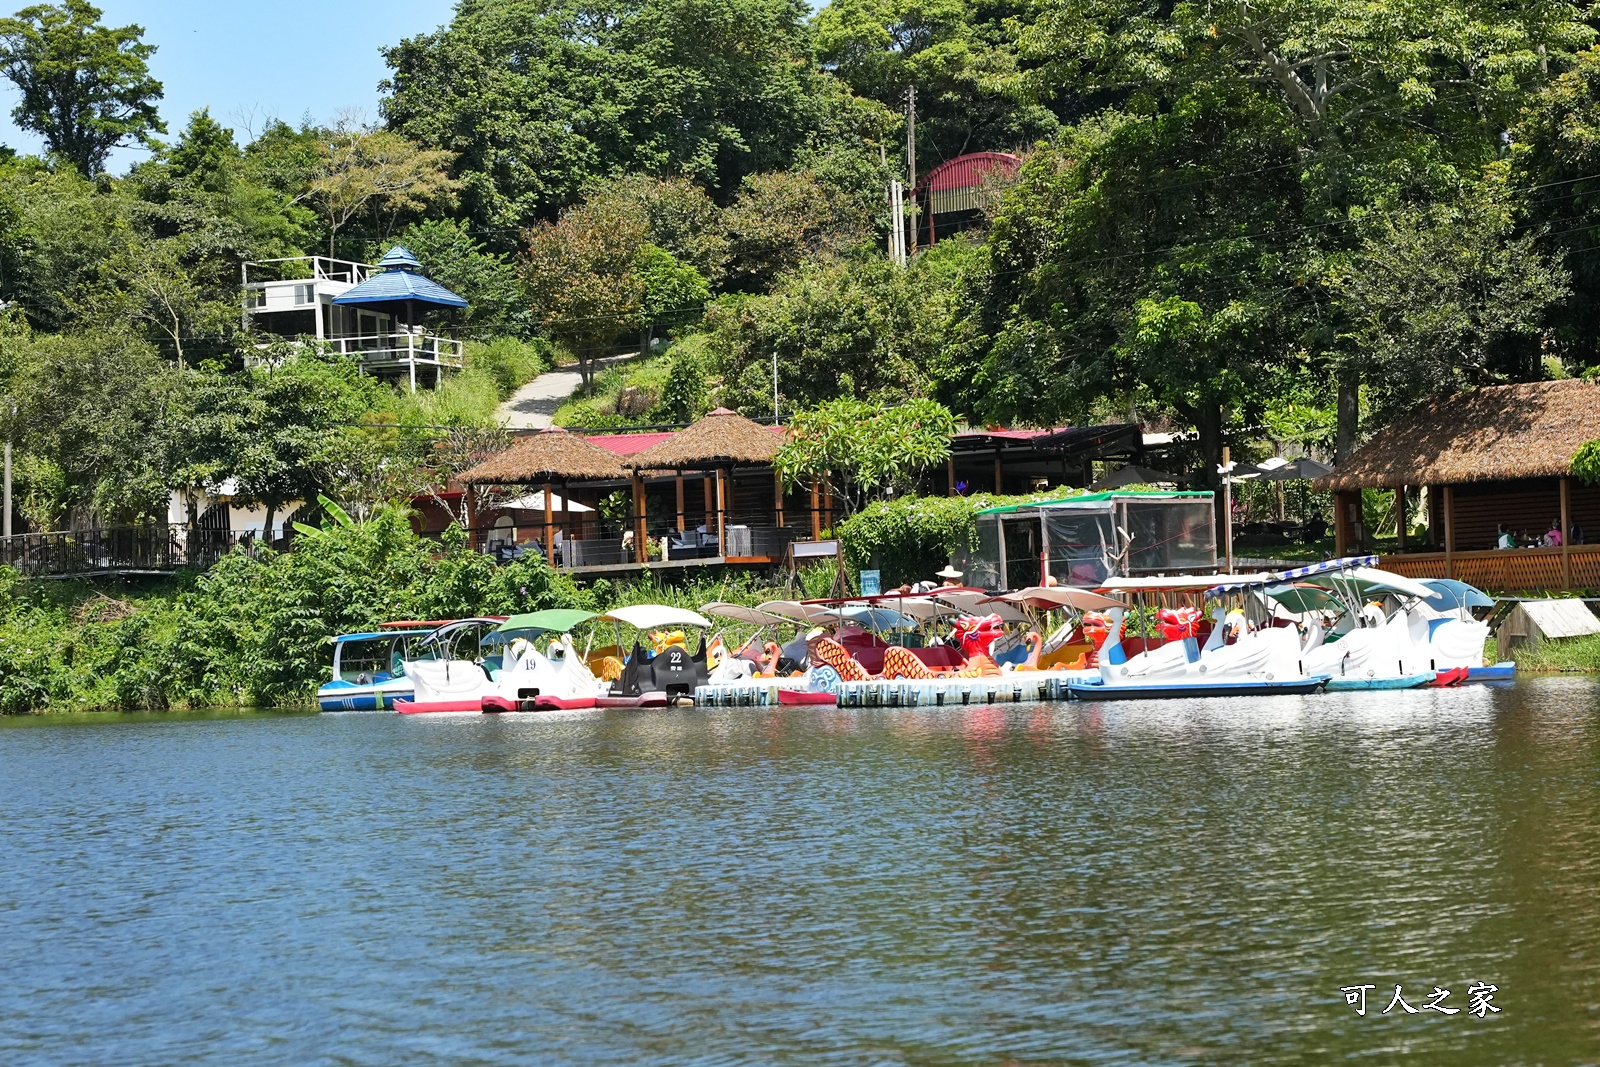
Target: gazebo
{"type": "Point", "coordinates": [400, 289]}
{"type": "Point", "coordinates": [716, 444]}
{"type": "Point", "coordinates": [1488, 458]}
{"type": "Point", "coordinates": [550, 456]}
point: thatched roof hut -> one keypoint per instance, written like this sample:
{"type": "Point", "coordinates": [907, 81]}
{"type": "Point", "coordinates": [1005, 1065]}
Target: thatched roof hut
{"type": "Point", "coordinates": [1500, 433]}
{"type": "Point", "coordinates": [722, 439]}
{"type": "Point", "coordinates": [551, 455]}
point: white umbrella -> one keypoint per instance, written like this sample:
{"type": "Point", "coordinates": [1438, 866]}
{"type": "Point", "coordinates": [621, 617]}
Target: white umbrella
{"type": "Point", "coordinates": [535, 502]}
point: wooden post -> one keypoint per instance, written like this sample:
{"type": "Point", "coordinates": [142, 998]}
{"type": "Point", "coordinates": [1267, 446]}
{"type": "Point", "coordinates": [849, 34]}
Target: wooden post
{"type": "Point", "coordinates": [639, 554]}
{"type": "Point", "coordinates": [1449, 532]}
{"type": "Point", "coordinates": [1566, 532]}
{"type": "Point", "coordinates": [1399, 517]}
{"type": "Point", "coordinates": [679, 487]}
{"type": "Point", "coordinates": [705, 485]}
{"type": "Point", "coordinates": [566, 518]}
{"type": "Point", "coordinates": [1341, 526]}
{"type": "Point", "coordinates": [999, 475]}
{"type": "Point", "coordinates": [950, 476]}
{"type": "Point", "coordinates": [722, 517]}
{"type": "Point", "coordinates": [777, 494]}
{"type": "Point", "coordinates": [816, 513]}
{"type": "Point", "coordinates": [549, 530]}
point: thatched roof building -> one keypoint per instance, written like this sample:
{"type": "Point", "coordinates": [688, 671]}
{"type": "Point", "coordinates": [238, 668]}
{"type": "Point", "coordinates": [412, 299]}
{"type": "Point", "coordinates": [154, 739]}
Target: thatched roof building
{"type": "Point", "coordinates": [722, 439]}
{"type": "Point", "coordinates": [551, 455]}
{"type": "Point", "coordinates": [1500, 433]}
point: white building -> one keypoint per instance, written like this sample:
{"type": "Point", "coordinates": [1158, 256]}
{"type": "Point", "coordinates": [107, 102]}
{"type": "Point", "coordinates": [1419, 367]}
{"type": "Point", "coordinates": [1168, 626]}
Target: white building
{"type": "Point", "coordinates": [374, 312]}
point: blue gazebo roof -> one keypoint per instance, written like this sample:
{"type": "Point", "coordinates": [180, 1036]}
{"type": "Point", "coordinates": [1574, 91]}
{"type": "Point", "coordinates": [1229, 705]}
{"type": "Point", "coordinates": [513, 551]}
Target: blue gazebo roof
{"type": "Point", "coordinates": [399, 278]}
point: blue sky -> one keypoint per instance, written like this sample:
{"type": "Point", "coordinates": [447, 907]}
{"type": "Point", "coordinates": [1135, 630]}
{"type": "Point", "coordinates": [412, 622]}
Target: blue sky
{"type": "Point", "coordinates": [281, 58]}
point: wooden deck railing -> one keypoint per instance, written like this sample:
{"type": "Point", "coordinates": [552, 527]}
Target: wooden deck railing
{"type": "Point", "coordinates": [152, 548]}
{"type": "Point", "coordinates": [1510, 570]}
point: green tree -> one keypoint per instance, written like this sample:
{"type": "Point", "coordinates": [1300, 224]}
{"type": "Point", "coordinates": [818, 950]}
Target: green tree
{"type": "Point", "coordinates": [679, 217]}
{"type": "Point", "coordinates": [959, 54]}
{"type": "Point", "coordinates": [86, 88]}
{"type": "Point", "coordinates": [846, 327]}
{"type": "Point", "coordinates": [1382, 105]}
{"type": "Point", "coordinates": [1555, 153]}
{"type": "Point", "coordinates": [1445, 296]}
{"type": "Point", "coordinates": [87, 404]}
{"type": "Point", "coordinates": [674, 293]}
{"type": "Point", "coordinates": [780, 219]}
{"type": "Point", "coordinates": [163, 285]}
{"type": "Point", "coordinates": [581, 277]}
{"type": "Point", "coordinates": [863, 452]}
{"type": "Point", "coordinates": [1150, 252]}
{"type": "Point", "coordinates": [64, 231]}
{"type": "Point", "coordinates": [459, 262]}
{"type": "Point", "coordinates": [304, 441]}
{"type": "Point", "coordinates": [377, 173]}
{"type": "Point", "coordinates": [539, 98]}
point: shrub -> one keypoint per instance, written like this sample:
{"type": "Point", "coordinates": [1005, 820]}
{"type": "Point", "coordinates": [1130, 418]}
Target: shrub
{"type": "Point", "coordinates": [910, 538]}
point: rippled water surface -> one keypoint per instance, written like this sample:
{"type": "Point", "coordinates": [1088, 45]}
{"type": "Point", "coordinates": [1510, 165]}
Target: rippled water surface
{"type": "Point", "coordinates": [1141, 884]}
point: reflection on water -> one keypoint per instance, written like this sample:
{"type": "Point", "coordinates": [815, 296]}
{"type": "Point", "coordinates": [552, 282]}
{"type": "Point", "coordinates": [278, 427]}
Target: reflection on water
{"type": "Point", "coordinates": [1183, 882]}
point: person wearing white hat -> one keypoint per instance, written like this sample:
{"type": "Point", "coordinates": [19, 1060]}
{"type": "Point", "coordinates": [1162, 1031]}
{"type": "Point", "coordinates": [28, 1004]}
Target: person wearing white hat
{"type": "Point", "coordinates": [951, 576]}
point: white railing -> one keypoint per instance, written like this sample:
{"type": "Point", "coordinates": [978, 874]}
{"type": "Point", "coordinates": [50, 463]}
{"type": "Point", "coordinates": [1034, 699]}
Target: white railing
{"type": "Point", "coordinates": [318, 268]}
{"type": "Point", "coordinates": [400, 348]}
{"type": "Point", "coordinates": [392, 351]}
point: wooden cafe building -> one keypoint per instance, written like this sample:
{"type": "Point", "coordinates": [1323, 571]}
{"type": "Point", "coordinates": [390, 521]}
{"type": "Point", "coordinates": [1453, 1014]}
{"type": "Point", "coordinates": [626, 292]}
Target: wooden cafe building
{"type": "Point", "coordinates": [709, 494]}
{"type": "Point", "coordinates": [1482, 460]}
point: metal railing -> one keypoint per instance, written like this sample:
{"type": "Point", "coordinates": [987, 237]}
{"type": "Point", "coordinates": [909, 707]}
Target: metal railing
{"type": "Point", "coordinates": [150, 548]}
{"type": "Point", "coordinates": [318, 268]}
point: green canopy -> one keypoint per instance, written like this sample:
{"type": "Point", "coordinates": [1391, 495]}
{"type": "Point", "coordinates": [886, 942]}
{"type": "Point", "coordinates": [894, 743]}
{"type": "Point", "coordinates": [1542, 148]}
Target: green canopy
{"type": "Point", "coordinates": [551, 620]}
{"type": "Point", "coordinates": [1300, 597]}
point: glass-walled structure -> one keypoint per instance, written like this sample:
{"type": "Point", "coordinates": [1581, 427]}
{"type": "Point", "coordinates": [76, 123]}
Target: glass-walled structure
{"type": "Point", "coordinates": [1083, 540]}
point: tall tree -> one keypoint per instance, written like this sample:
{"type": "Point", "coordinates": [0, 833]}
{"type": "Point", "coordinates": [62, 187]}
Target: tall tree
{"type": "Point", "coordinates": [582, 277]}
{"type": "Point", "coordinates": [1155, 252]}
{"type": "Point", "coordinates": [539, 98]}
{"type": "Point", "coordinates": [1386, 102]}
{"type": "Point", "coordinates": [86, 88]}
{"type": "Point", "coordinates": [960, 55]}
{"type": "Point", "coordinates": [1555, 154]}
{"type": "Point", "coordinates": [375, 172]}
{"type": "Point", "coordinates": [1446, 296]}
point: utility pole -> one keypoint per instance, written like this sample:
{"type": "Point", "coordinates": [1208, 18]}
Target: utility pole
{"type": "Point", "coordinates": [1226, 470]}
{"type": "Point", "coordinates": [911, 152]}
{"type": "Point", "coordinates": [10, 429]}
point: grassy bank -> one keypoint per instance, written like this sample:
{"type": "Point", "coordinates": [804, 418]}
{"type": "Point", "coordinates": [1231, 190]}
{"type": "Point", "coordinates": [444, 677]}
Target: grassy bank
{"type": "Point", "coordinates": [1578, 655]}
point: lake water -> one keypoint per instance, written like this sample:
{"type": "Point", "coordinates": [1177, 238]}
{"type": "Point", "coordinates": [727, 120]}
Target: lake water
{"type": "Point", "coordinates": [1157, 883]}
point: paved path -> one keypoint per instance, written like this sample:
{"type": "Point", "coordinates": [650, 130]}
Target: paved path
{"type": "Point", "coordinates": [531, 407]}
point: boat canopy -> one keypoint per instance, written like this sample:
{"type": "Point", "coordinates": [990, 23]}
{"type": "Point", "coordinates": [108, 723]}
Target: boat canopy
{"type": "Point", "coordinates": [741, 613]}
{"type": "Point", "coordinates": [790, 609]}
{"type": "Point", "coordinates": [1192, 582]}
{"type": "Point", "coordinates": [1048, 598]}
{"type": "Point", "coordinates": [1301, 597]}
{"type": "Point", "coordinates": [343, 638]}
{"type": "Point", "coordinates": [869, 618]}
{"type": "Point", "coordinates": [1095, 498]}
{"type": "Point", "coordinates": [1451, 595]}
{"type": "Point", "coordinates": [656, 616]}
{"type": "Point", "coordinates": [923, 608]}
{"type": "Point", "coordinates": [551, 620]}
{"type": "Point", "coordinates": [1368, 580]}
{"type": "Point", "coordinates": [975, 602]}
